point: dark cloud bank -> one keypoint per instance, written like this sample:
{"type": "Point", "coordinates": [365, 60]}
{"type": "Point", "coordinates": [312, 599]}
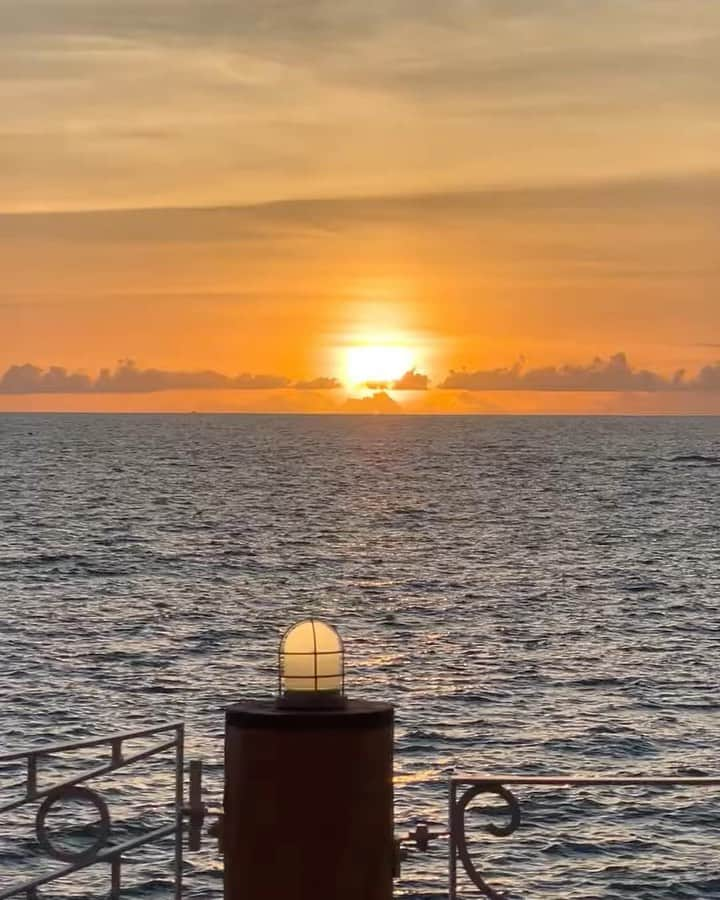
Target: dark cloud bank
{"type": "Point", "coordinates": [614, 374]}
{"type": "Point", "coordinates": [127, 378]}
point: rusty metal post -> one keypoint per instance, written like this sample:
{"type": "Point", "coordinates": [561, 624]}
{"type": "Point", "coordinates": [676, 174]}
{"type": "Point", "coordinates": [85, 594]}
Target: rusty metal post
{"type": "Point", "coordinates": [309, 803]}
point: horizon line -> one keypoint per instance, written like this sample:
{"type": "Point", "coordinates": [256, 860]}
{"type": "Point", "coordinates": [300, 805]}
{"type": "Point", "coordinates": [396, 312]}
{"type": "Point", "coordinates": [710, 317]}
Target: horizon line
{"type": "Point", "coordinates": [364, 415]}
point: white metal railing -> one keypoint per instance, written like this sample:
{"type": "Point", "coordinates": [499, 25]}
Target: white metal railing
{"type": "Point", "coordinates": [74, 788]}
{"type": "Point", "coordinates": [464, 790]}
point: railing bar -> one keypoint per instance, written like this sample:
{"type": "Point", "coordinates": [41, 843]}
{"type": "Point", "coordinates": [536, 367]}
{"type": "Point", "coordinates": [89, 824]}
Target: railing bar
{"type": "Point", "coordinates": [90, 773]}
{"type": "Point", "coordinates": [90, 742]}
{"type": "Point", "coordinates": [102, 856]}
{"type": "Point", "coordinates": [119, 849]}
{"type": "Point", "coordinates": [144, 754]}
{"type": "Point", "coordinates": [82, 776]}
{"type": "Point", "coordinates": [16, 785]}
{"type": "Point", "coordinates": [590, 782]}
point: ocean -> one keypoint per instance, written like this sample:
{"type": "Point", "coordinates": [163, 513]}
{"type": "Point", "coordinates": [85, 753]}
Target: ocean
{"type": "Point", "coordinates": [535, 595]}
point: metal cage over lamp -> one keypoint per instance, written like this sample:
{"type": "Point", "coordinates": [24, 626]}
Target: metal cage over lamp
{"type": "Point", "coordinates": [311, 667]}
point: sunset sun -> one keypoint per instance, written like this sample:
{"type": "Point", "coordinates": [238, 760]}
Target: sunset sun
{"type": "Point", "coordinates": [376, 364]}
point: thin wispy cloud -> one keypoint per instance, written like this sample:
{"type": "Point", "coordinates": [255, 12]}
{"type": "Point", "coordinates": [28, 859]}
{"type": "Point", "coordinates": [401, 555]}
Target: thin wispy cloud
{"type": "Point", "coordinates": [628, 200]}
{"type": "Point", "coordinates": [112, 102]}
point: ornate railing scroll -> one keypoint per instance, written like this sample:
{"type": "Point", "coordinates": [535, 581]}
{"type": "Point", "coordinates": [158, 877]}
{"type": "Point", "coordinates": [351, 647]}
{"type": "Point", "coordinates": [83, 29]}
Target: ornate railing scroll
{"type": "Point", "coordinates": [464, 790]}
{"type": "Point", "coordinates": [170, 737]}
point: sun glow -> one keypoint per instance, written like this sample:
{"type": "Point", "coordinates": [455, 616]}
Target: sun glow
{"type": "Point", "coordinates": [376, 364]}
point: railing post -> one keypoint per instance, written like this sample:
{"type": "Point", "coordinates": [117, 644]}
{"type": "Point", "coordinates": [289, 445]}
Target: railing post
{"type": "Point", "coordinates": [452, 847]}
{"type": "Point", "coordinates": [197, 810]}
{"type": "Point", "coordinates": [31, 776]}
{"type": "Point", "coordinates": [179, 804]}
{"type": "Point", "coordinates": [117, 756]}
{"type": "Point", "coordinates": [115, 875]}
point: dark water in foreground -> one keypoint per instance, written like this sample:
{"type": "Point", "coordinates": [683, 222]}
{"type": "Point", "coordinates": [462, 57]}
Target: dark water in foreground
{"type": "Point", "coordinates": [536, 595]}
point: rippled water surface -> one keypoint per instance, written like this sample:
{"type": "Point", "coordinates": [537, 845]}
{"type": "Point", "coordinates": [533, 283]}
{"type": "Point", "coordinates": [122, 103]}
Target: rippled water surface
{"type": "Point", "coordinates": [536, 595]}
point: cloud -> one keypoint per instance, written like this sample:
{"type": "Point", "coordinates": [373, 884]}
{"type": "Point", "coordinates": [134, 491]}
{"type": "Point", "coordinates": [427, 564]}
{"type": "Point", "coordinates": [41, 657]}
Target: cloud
{"type": "Point", "coordinates": [379, 402]}
{"type": "Point", "coordinates": [708, 378]}
{"type": "Point", "coordinates": [407, 89]}
{"type": "Point", "coordinates": [614, 374]}
{"type": "Point", "coordinates": [247, 382]}
{"type": "Point", "coordinates": [323, 383]}
{"type": "Point", "coordinates": [127, 378]}
{"type": "Point", "coordinates": [411, 381]}
{"type": "Point", "coordinates": [565, 200]}
{"type": "Point", "coordinates": [28, 379]}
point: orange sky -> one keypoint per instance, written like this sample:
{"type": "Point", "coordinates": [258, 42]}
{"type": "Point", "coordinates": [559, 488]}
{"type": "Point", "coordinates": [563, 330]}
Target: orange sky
{"type": "Point", "coordinates": [255, 190]}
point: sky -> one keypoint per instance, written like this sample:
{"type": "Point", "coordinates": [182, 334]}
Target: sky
{"type": "Point", "coordinates": [474, 206]}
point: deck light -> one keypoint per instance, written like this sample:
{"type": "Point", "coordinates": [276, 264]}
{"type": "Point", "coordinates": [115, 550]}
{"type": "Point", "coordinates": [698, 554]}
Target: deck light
{"type": "Point", "coordinates": [311, 667]}
{"type": "Point", "coordinates": [309, 781]}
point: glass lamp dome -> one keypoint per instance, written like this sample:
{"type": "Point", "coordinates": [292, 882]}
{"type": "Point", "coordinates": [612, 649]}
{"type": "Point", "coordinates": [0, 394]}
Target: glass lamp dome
{"type": "Point", "coordinates": [311, 666]}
